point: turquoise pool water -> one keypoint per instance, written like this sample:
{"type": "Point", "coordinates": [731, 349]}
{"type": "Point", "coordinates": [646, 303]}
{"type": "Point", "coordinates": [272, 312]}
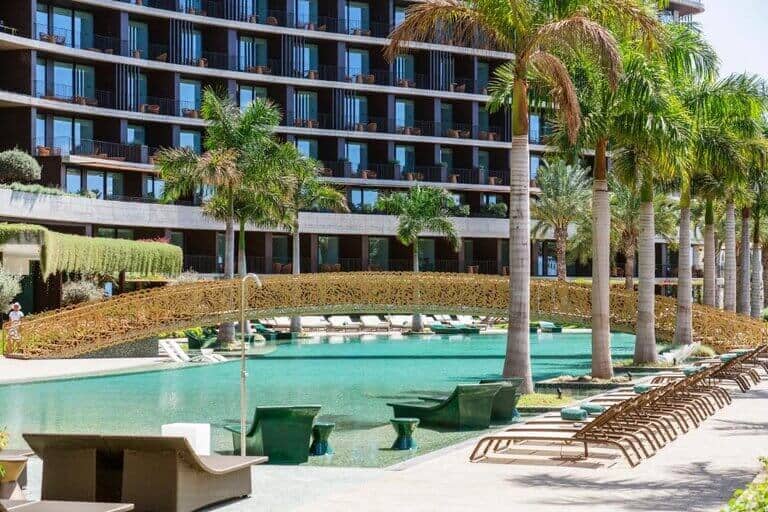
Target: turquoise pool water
{"type": "Point", "coordinates": [352, 378]}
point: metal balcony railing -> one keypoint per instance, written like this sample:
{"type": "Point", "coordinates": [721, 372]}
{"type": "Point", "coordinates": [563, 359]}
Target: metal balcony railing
{"type": "Point", "coordinates": [106, 150]}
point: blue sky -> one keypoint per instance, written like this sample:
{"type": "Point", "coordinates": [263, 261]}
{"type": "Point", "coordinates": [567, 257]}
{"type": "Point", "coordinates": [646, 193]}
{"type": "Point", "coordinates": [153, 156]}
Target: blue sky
{"type": "Point", "coordinates": [738, 29]}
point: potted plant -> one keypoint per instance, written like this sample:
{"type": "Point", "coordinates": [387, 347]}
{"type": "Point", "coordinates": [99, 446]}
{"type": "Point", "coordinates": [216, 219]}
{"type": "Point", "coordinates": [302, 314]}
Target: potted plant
{"type": "Point", "coordinates": [370, 79]}
{"type": "Point", "coordinates": [203, 62]}
{"type": "Point", "coordinates": [312, 74]}
{"type": "Point", "coordinates": [492, 180]}
{"type": "Point", "coordinates": [373, 127]}
{"type": "Point", "coordinates": [271, 20]}
{"type": "Point", "coordinates": [136, 54]}
{"type": "Point", "coordinates": [453, 178]}
{"type": "Point", "coordinates": [43, 151]}
{"type": "Point", "coordinates": [163, 57]}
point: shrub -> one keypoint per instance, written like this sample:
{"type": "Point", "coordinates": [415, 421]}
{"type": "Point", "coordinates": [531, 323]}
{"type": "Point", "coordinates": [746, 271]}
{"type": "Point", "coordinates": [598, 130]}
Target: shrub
{"type": "Point", "coordinates": [16, 165]}
{"type": "Point", "coordinates": [704, 351]}
{"type": "Point", "coordinates": [77, 292]}
{"type": "Point", "coordinates": [494, 210]}
{"type": "Point", "coordinates": [753, 498]}
{"type": "Point", "coordinates": [10, 287]}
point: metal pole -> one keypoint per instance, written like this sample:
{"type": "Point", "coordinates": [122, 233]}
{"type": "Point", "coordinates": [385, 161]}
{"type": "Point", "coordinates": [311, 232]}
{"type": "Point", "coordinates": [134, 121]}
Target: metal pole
{"type": "Point", "coordinates": [243, 372]}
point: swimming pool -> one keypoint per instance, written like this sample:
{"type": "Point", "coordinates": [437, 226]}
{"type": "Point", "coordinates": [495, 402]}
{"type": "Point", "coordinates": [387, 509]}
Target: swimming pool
{"type": "Point", "coordinates": [352, 378]}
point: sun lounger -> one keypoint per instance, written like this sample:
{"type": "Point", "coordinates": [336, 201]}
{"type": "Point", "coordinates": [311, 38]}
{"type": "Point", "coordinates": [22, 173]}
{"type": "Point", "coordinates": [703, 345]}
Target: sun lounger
{"type": "Point", "coordinates": [374, 323]}
{"type": "Point", "coordinates": [400, 321]}
{"type": "Point", "coordinates": [468, 407]}
{"type": "Point", "coordinates": [504, 408]}
{"type": "Point", "coordinates": [280, 432]}
{"type": "Point", "coordinates": [314, 322]}
{"type": "Point", "coordinates": [174, 351]}
{"type": "Point", "coordinates": [343, 323]}
{"type": "Point", "coordinates": [152, 472]}
{"type": "Point", "coordinates": [63, 506]}
{"type": "Point", "coordinates": [282, 322]}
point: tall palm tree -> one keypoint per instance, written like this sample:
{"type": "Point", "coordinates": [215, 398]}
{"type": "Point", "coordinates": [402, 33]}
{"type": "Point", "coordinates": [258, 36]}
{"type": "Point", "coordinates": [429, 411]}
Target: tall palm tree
{"type": "Point", "coordinates": [306, 192]}
{"type": "Point", "coordinates": [233, 138]}
{"type": "Point", "coordinates": [538, 33]}
{"type": "Point", "coordinates": [421, 210]}
{"type": "Point", "coordinates": [565, 197]}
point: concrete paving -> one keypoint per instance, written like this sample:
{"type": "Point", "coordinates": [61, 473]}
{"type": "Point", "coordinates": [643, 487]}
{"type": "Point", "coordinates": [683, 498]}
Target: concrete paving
{"type": "Point", "coordinates": [695, 473]}
{"type": "Point", "coordinates": [20, 370]}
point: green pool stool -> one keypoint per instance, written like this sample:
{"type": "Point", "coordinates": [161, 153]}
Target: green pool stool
{"type": "Point", "coordinates": [642, 388]}
{"type": "Point", "coordinates": [405, 427]}
{"type": "Point", "coordinates": [592, 409]}
{"type": "Point", "coordinates": [573, 414]}
{"type": "Point", "coordinates": [321, 431]}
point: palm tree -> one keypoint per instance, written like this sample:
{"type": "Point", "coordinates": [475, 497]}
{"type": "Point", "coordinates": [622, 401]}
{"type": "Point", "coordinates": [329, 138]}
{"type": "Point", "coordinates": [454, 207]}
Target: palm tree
{"type": "Point", "coordinates": [565, 196]}
{"type": "Point", "coordinates": [422, 209]}
{"type": "Point", "coordinates": [537, 33]}
{"type": "Point", "coordinates": [624, 203]}
{"type": "Point", "coordinates": [306, 192]}
{"type": "Point", "coordinates": [233, 141]}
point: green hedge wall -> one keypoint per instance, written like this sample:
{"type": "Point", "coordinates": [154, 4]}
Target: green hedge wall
{"type": "Point", "coordinates": [86, 255]}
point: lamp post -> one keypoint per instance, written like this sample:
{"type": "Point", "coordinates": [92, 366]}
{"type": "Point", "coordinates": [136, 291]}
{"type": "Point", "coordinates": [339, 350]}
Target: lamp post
{"type": "Point", "coordinates": [243, 372]}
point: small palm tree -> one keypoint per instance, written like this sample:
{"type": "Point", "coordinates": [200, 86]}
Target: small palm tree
{"type": "Point", "coordinates": [305, 192]}
{"type": "Point", "coordinates": [565, 197]}
{"type": "Point", "coordinates": [421, 210]}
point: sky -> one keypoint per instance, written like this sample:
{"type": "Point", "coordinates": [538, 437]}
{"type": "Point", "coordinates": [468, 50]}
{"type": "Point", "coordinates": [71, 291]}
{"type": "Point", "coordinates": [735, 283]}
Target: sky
{"type": "Point", "coordinates": [738, 29]}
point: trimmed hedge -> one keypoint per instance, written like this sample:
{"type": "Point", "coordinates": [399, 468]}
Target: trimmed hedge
{"type": "Point", "coordinates": [18, 166]}
{"type": "Point", "coordinates": [73, 253]}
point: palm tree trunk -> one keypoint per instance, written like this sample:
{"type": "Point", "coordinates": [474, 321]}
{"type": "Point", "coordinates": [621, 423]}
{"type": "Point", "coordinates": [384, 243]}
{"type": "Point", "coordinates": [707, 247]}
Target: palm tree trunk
{"type": "Point", "coordinates": [561, 238]}
{"type": "Point", "coordinates": [710, 274]}
{"type": "Point", "coordinates": [629, 266]}
{"type": "Point", "coordinates": [417, 322]}
{"type": "Point", "coordinates": [684, 324]}
{"type": "Point", "coordinates": [296, 270]}
{"type": "Point", "coordinates": [517, 362]}
{"type": "Point", "coordinates": [743, 306]}
{"type": "Point", "coordinates": [226, 334]}
{"type": "Point", "coordinates": [757, 270]}
{"type": "Point", "coordinates": [242, 267]}
{"type": "Point", "coordinates": [729, 271]}
{"type": "Point", "coordinates": [764, 263]}
{"type": "Point", "coordinates": [645, 342]}
{"type": "Point", "coordinates": [602, 366]}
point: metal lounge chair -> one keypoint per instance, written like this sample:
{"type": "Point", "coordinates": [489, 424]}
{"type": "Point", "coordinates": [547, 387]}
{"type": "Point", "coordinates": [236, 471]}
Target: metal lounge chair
{"type": "Point", "coordinates": [343, 323]}
{"type": "Point", "coordinates": [280, 432]}
{"type": "Point", "coordinates": [468, 407]}
{"type": "Point", "coordinates": [62, 506]}
{"type": "Point", "coordinates": [152, 472]}
{"type": "Point", "coordinates": [374, 323]}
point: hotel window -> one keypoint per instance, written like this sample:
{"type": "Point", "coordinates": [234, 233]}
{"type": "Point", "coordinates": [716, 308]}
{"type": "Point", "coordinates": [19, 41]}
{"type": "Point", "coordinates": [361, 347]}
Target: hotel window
{"type": "Point", "coordinates": [405, 69]}
{"type": "Point", "coordinates": [137, 90]}
{"type": "Point", "coordinates": [363, 199]}
{"type": "Point", "coordinates": [136, 134]}
{"type": "Point", "coordinates": [357, 155]}
{"type": "Point", "coordinates": [483, 160]}
{"type": "Point", "coordinates": [191, 47]}
{"type": "Point", "coordinates": [250, 93]}
{"type": "Point", "coordinates": [73, 135]}
{"type": "Point", "coordinates": [73, 80]}
{"type": "Point", "coordinates": [280, 244]}
{"type": "Point", "coordinates": [328, 250]}
{"type": "Point", "coordinates": [399, 15]}
{"type": "Point", "coordinates": [94, 183]}
{"type": "Point", "coordinates": [378, 253]}
{"type": "Point", "coordinates": [426, 254]}
{"type": "Point", "coordinates": [125, 234]}
{"type": "Point", "coordinates": [406, 157]}
{"type": "Point", "coordinates": [251, 52]}
{"type": "Point", "coordinates": [138, 38]}
{"type": "Point", "coordinates": [190, 139]}
{"type": "Point", "coordinates": [305, 59]}
{"type": "Point", "coordinates": [41, 72]}
{"type": "Point", "coordinates": [355, 111]}
{"type": "Point", "coordinates": [250, 9]}
{"type": "Point", "coordinates": [153, 186]}
{"type": "Point", "coordinates": [42, 20]}
{"type": "Point", "coordinates": [446, 158]}
{"type": "Point", "coordinates": [358, 18]}
{"type": "Point", "coordinates": [534, 128]}
{"type": "Point", "coordinates": [358, 63]}
{"type": "Point", "coordinates": [404, 113]}
{"type": "Point", "coordinates": [307, 147]}
{"type": "Point", "coordinates": [306, 13]}
{"type": "Point", "coordinates": [305, 105]}
{"type": "Point", "coordinates": [446, 117]}
{"type": "Point", "coordinates": [74, 181]}
{"type": "Point", "coordinates": [115, 185]}
{"type": "Point", "coordinates": [483, 76]}
{"type": "Point", "coordinates": [41, 130]}
{"type": "Point", "coordinates": [492, 199]}
{"type": "Point", "coordinates": [177, 239]}
{"type": "Point", "coordinates": [535, 164]}
{"type": "Point", "coordinates": [482, 120]}
{"type": "Point", "coordinates": [189, 95]}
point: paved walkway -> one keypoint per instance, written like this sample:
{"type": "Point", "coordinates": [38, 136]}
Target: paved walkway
{"type": "Point", "coordinates": [21, 370]}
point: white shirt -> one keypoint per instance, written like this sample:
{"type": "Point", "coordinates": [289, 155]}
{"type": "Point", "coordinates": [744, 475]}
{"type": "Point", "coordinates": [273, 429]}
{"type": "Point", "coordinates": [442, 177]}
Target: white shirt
{"type": "Point", "coordinates": [15, 316]}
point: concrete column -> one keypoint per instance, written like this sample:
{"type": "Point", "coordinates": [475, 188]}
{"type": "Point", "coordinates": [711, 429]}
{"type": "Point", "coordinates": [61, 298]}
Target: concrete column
{"type": "Point", "coordinates": [232, 45]}
{"type": "Point", "coordinates": [88, 229]}
{"type": "Point", "coordinates": [364, 262]}
{"type": "Point", "coordinates": [391, 114]}
{"type": "Point", "coordinates": [313, 246]}
{"type": "Point", "coordinates": [232, 91]}
{"type": "Point", "coordinates": [475, 115]}
{"type": "Point", "coordinates": [123, 130]}
{"type": "Point", "coordinates": [461, 258]}
{"type": "Point", "coordinates": [499, 255]}
{"type": "Point", "coordinates": [341, 61]}
{"type": "Point", "coordinates": [267, 252]}
{"type": "Point", "coordinates": [664, 259]}
{"type": "Point", "coordinates": [290, 92]}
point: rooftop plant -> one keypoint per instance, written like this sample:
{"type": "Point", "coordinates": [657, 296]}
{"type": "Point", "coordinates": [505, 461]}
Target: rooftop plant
{"type": "Point", "coordinates": [86, 255]}
{"type": "Point", "coordinates": [16, 165]}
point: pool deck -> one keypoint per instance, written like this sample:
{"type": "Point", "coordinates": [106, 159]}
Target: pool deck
{"type": "Point", "coordinates": [695, 473]}
{"type": "Point", "coordinates": [15, 371]}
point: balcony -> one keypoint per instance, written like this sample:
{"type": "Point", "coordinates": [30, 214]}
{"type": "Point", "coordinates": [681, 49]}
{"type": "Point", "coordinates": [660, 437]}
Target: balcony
{"type": "Point", "coordinates": [135, 153]}
{"type": "Point", "coordinates": [69, 94]}
{"type": "Point", "coordinates": [81, 40]}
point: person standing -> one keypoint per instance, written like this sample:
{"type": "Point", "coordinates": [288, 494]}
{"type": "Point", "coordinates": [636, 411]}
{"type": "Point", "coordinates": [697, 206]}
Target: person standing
{"type": "Point", "coordinates": [15, 317]}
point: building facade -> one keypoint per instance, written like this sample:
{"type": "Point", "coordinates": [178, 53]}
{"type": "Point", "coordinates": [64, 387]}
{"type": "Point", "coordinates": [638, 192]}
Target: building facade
{"type": "Point", "coordinates": [93, 88]}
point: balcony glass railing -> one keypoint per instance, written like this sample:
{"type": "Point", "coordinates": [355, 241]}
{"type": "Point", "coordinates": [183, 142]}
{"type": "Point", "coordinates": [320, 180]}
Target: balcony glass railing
{"type": "Point", "coordinates": [135, 153]}
{"type": "Point", "coordinates": [78, 95]}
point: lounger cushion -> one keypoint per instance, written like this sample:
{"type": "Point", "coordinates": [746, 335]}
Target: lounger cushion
{"type": "Point", "coordinates": [573, 414]}
{"type": "Point", "coordinates": [642, 388]}
{"type": "Point", "coordinates": [690, 370]}
{"type": "Point", "coordinates": [592, 408]}
{"type": "Point", "coordinates": [728, 356]}
{"type": "Point", "coordinates": [742, 350]}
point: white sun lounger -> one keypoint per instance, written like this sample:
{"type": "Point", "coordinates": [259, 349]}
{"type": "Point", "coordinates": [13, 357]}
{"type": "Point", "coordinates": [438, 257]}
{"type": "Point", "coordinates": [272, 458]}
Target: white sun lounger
{"type": "Point", "coordinates": [282, 322]}
{"type": "Point", "coordinates": [314, 322]}
{"type": "Point", "coordinates": [400, 321]}
{"type": "Point", "coordinates": [374, 322]}
{"type": "Point", "coordinates": [174, 351]}
{"type": "Point", "coordinates": [343, 323]}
